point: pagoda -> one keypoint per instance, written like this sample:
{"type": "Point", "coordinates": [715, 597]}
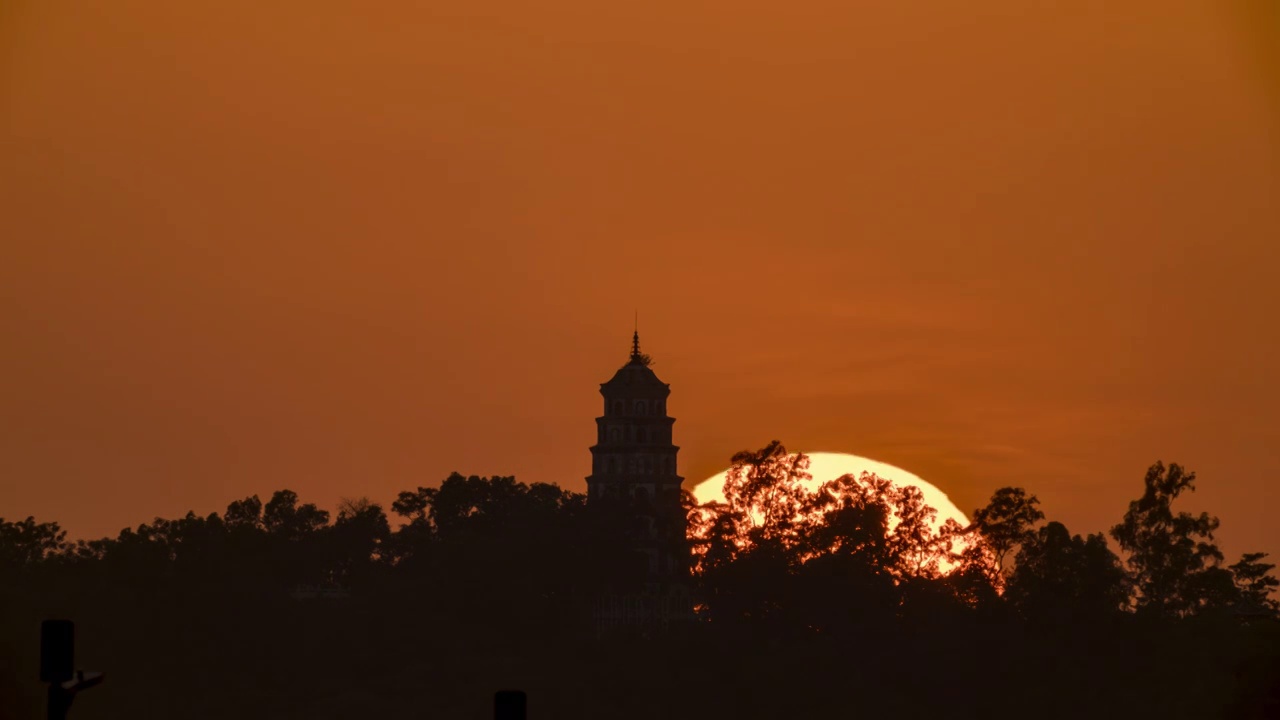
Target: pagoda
{"type": "Point", "coordinates": [633, 467]}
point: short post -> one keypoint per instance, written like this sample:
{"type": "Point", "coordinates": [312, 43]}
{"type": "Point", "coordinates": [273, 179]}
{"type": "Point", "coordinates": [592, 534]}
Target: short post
{"type": "Point", "coordinates": [57, 667]}
{"type": "Point", "coordinates": [509, 705]}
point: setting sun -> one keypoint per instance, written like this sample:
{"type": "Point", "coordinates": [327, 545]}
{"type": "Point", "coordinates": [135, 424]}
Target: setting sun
{"type": "Point", "coordinates": [826, 466]}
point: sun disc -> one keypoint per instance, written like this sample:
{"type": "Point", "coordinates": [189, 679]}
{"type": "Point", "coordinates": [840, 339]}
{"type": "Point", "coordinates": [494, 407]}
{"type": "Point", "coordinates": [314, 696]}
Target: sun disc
{"type": "Point", "coordinates": [827, 466]}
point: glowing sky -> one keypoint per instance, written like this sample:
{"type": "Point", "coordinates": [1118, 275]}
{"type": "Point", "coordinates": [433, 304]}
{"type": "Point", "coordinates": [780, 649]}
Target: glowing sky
{"type": "Point", "coordinates": [348, 247]}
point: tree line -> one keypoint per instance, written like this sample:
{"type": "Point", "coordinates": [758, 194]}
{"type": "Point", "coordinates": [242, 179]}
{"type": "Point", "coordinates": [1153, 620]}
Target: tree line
{"type": "Point", "coordinates": [485, 581]}
{"type": "Point", "coordinates": [774, 548]}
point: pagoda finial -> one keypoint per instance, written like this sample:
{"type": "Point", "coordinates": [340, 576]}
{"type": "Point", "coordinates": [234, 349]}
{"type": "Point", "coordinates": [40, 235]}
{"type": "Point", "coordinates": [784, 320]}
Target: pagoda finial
{"type": "Point", "coordinates": [636, 355]}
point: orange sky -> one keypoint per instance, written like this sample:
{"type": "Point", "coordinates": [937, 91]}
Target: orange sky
{"type": "Point", "coordinates": [349, 247]}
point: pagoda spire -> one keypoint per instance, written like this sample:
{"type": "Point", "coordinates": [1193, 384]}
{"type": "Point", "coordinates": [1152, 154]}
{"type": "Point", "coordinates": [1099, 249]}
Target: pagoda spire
{"type": "Point", "coordinates": [636, 355]}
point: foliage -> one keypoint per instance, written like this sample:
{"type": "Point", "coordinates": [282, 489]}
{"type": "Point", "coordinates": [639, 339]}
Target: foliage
{"type": "Point", "coordinates": [1007, 521]}
{"type": "Point", "coordinates": [1067, 577]}
{"type": "Point", "coordinates": [1255, 583]}
{"type": "Point", "coordinates": [27, 542]}
{"type": "Point", "coordinates": [1171, 556]}
{"type": "Point", "coordinates": [851, 582]}
{"type": "Point", "coordinates": [850, 551]}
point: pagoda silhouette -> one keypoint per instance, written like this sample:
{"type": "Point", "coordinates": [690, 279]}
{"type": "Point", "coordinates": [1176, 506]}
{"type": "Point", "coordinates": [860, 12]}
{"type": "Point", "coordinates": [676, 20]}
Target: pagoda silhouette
{"type": "Point", "coordinates": [633, 474]}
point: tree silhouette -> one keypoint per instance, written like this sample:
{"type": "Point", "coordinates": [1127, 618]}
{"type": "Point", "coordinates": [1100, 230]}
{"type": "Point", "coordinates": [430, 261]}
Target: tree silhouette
{"type": "Point", "coordinates": [284, 517]}
{"type": "Point", "coordinates": [1063, 577]}
{"type": "Point", "coordinates": [488, 580]}
{"type": "Point", "coordinates": [1006, 522]}
{"type": "Point", "coordinates": [246, 513]}
{"type": "Point", "coordinates": [1255, 584]}
{"type": "Point", "coordinates": [747, 547]}
{"type": "Point", "coordinates": [849, 553]}
{"type": "Point", "coordinates": [892, 525]}
{"type": "Point", "coordinates": [1172, 556]}
{"type": "Point", "coordinates": [765, 495]}
{"type": "Point", "coordinates": [26, 542]}
{"type": "Point", "coordinates": [357, 540]}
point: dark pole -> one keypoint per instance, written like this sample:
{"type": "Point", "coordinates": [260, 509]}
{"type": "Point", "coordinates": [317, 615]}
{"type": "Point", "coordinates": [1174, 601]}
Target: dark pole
{"type": "Point", "coordinates": [57, 667]}
{"type": "Point", "coordinates": [509, 705]}
{"type": "Point", "coordinates": [59, 701]}
{"type": "Point", "coordinates": [57, 663]}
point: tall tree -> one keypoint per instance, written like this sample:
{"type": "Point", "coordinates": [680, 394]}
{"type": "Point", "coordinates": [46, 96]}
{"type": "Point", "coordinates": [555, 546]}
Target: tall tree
{"type": "Point", "coordinates": [283, 516]}
{"type": "Point", "coordinates": [765, 490]}
{"type": "Point", "coordinates": [246, 513]}
{"type": "Point", "coordinates": [1059, 575]}
{"type": "Point", "coordinates": [747, 548]}
{"type": "Point", "coordinates": [1172, 557]}
{"type": "Point", "coordinates": [1006, 522]}
{"type": "Point", "coordinates": [357, 539]}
